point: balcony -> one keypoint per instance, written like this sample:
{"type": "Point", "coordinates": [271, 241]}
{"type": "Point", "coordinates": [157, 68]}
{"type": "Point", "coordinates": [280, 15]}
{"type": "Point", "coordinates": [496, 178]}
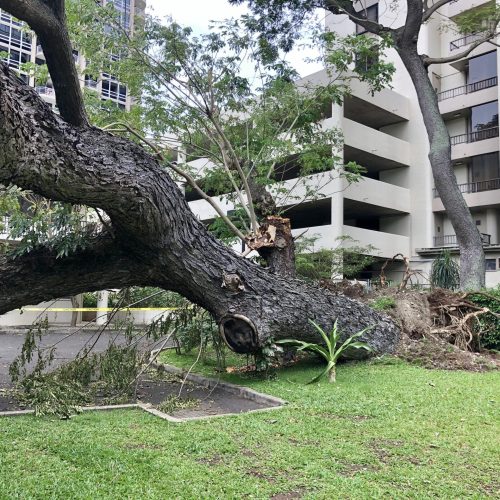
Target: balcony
{"type": "Point", "coordinates": [371, 192]}
{"type": "Point", "coordinates": [474, 187]}
{"type": "Point", "coordinates": [115, 96]}
{"type": "Point", "coordinates": [468, 89]}
{"type": "Point", "coordinates": [476, 194]}
{"type": "Point", "coordinates": [480, 135]}
{"type": "Point", "coordinates": [387, 244]}
{"type": "Point", "coordinates": [370, 147]}
{"type": "Point", "coordinates": [465, 40]}
{"type": "Point", "coordinates": [450, 240]}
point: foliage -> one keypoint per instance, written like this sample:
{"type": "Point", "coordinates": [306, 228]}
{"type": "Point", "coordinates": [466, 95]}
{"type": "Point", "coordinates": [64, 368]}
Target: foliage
{"type": "Point", "coordinates": [90, 299]}
{"type": "Point", "coordinates": [489, 324]}
{"type": "Point", "coordinates": [331, 351]}
{"type": "Point", "coordinates": [347, 259]}
{"type": "Point", "coordinates": [383, 303]}
{"type": "Point", "coordinates": [174, 403]}
{"type": "Point", "coordinates": [35, 221]}
{"type": "Point", "coordinates": [147, 296]}
{"type": "Point", "coordinates": [445, 272]}
{"type": "Point", "coordinates": [110, 375]}
{"type": "Point", "coordinates": [243, 123]}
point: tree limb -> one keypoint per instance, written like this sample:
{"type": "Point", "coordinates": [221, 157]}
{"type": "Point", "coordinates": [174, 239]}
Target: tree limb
{"type": "Point", "coordinates": [39, 275]}
{"type": "Point", "coordinates": [47, 18]}
{"type": "Point", "coordinates": [347, 7]}
{"type": "Point", "coordinates": [433, 7]}
{"type": "Point", "coordinates": [413, 22]}
{"type": "Point", "coordinates": [428, 61]}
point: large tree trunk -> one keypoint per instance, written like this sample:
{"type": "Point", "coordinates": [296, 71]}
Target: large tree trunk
{"type": "Point", "coordinates": [472, 263]}
{"type": "Point", "coordinates": [156, 239]}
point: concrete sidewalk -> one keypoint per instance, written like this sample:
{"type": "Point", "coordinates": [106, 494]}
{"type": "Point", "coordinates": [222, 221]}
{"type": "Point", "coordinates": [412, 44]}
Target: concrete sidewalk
{"type": "Point", "coordinates": [11, 342]}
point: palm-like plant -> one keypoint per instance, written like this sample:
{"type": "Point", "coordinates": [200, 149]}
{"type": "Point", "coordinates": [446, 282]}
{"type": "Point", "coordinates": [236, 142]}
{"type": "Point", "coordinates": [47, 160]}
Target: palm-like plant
{"type": "Point", "coordinates": [445, 272]}
{"type": "Point", "coordinates": [332, 351]}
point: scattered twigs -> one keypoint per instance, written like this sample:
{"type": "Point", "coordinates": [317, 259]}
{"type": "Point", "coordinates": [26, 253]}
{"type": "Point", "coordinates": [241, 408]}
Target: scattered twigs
{"type": "Point", "coordinates": [408, 272]}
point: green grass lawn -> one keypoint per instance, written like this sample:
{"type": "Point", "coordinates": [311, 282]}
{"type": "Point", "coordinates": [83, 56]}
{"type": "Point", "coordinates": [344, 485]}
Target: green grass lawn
{"type": "Point", "coordinates": [392, 431]}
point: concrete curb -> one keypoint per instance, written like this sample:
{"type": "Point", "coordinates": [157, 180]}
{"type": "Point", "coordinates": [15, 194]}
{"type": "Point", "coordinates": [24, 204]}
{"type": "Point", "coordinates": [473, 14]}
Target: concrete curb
{"type": "Point", "coordinates": [243, 392]}
{"type": "Point", "coordinates": [210, 383]}
{"type": "Point", "coordinates": [19, 413]}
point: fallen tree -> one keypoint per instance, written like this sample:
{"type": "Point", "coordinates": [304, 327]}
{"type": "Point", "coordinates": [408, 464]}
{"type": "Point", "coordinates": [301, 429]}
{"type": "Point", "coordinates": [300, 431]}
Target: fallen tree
{"type": "Point", "coordinates": [154, 239]}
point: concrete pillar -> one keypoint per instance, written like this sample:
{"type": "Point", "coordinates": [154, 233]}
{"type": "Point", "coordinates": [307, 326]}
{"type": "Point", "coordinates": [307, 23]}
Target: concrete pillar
{"type": "Point", "coordinates": [102, 301]}
{"type": "Point", "coordinates": [337, 186]}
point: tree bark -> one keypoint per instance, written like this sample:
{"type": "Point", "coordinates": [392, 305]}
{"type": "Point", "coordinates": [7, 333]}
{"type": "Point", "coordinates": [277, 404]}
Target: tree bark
{"type": "Point", "coordinates": [157, 241]}
{"type": "Point", "coordinates": [472, 261]}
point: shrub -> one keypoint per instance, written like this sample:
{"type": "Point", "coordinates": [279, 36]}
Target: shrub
{"type": "Point", "coordinates": [488, 323]}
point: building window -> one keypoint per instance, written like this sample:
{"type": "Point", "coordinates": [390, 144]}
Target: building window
{"type": "Point", "coordinates": [123, 8]}
{"type": "Point", "coordinates": [484, 121]}
{"type": "Point", "coordinates": [491, 264]}
{"type": "Point", "coordinates": [371, 13]}
{"type": "Point", "coordinates": [114, 90]}
{"type": "Point", "coordinates": [484, 168]}
{"type": "Point", "coordinates": [482, 67]}
{"type": "Point", "coordinates": [363, 63]}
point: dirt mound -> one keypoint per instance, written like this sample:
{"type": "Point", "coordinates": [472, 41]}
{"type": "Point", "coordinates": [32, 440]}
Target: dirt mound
{"type": "Point", "coordinates": [439, 329]}
{"type": "Point", "coordinates": [433, 352]}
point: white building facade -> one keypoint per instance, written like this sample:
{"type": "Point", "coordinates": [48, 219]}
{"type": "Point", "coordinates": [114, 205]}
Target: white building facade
{"type": "Point", "coordinates": [394, 207]}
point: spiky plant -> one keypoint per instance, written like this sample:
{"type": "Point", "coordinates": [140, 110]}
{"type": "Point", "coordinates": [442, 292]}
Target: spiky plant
{"type": "Point", "coordinates": [331, 351]}
{"type": "Point", "coordinates": [445, 272]}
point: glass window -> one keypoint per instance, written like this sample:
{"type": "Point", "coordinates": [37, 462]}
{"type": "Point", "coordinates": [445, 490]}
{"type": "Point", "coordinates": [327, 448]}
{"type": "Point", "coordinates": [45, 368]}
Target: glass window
{"type": "Point", "coordinates": [370, 13]}
{"type": "Point", "coordinates": [484, 167]}
{"type": "Point", "coordinates": [482, 67]}
{"type": "Point", "coordinates": [484, 116]}
{"type": "Point", "coordinates": [491, 264]}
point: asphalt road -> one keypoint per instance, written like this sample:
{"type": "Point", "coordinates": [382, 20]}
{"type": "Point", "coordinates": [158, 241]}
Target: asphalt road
{"type": "Point", "coordinates": [67, 347]}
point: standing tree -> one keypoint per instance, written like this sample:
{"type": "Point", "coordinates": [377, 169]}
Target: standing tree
{"type": "Point", "coordinates": [279, 23]}
{"type": "Point", "coordinates": [151, 237]}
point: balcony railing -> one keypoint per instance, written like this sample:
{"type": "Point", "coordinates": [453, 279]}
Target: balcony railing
{"type": "Point", "coordinates": [43, 90]}
{"type": "Point", "coordinates": [451, 240]}
{"type": "Point", "coordinates": [468, 89]}
{"type": "Point", "coordinates": [114, 95]}
{"type": "Point", "coordinates": [480, 135]}
{"type": "Point", "coordinates": [475, 187]}
{"type": "Point", "coordinates": [465, 40]}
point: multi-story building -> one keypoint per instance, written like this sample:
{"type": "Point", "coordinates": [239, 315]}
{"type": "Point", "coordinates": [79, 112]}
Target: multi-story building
{"type": "Point", "coordinates": [395, 207]}
{"type": "Point", "coordinates": [21, 46]}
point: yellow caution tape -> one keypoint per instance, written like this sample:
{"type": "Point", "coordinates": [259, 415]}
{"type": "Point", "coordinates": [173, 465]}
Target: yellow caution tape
{"type": "Point", "coordinates": [97, 309]}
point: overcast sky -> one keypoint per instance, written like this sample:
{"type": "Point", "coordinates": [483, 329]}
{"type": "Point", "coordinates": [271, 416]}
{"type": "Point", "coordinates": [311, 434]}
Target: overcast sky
{"type": "Point", "coordinates": [198, 13]}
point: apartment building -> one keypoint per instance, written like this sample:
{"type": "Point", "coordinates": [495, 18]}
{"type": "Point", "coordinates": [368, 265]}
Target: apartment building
{"type": "Point", "coordinates": [21, 46]}
{"type": "Point", "coordinates": [395, 207]}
